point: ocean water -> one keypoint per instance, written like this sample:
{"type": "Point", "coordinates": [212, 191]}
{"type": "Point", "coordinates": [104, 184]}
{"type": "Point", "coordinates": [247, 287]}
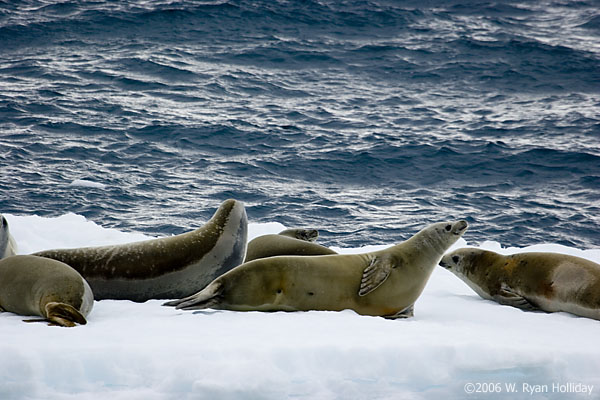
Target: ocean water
{"type": "Point", "coordinates": [364, 119]}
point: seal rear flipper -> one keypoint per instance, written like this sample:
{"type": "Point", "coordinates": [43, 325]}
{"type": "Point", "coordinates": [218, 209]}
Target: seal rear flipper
{"type": "Point", "coordinates": [54, 322]}
{"type": "Point", "coordinates": [63, 314]}
{"type": "Point", "coordinates": [29, 321]}
{"type": "Point", "coordinates": [205, 298]}
{"type": "Point", "coordinates": [173, 303]}
{"type": "Point", "coordinates": [510, 297]}
{"type": "Point", "coordinates": [176, 303]}
{"type": "Point", "coordinates": [375, 274]}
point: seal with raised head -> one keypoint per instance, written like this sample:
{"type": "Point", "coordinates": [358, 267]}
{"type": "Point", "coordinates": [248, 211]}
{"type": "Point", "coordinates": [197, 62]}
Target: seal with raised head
{"type": "Point", "coordinates": [163, 268]}
{"type": "Point", "coordinates": [381, 283]}
{"type": "Point", "coordinates": [31, 285]}
{"type": "Point", "coordinates": [548, 282]}
{"type": "Point", "coordinates": [8, 246]}
{"type": "Point", "coordinates": [289, 242]}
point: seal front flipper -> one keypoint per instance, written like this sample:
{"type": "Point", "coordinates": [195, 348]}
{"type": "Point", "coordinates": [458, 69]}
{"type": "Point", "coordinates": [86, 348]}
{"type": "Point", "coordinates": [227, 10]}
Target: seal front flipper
{"type": "Point", "coordinates": [375, 274]}
{"type": "Point", "coordinates": [408, 312]}
{"type": "Point", "coordinates": [509, 297]}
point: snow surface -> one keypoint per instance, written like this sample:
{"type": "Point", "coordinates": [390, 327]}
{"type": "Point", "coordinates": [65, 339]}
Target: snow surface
{"type": "Point", "coordinates": [456, 343]}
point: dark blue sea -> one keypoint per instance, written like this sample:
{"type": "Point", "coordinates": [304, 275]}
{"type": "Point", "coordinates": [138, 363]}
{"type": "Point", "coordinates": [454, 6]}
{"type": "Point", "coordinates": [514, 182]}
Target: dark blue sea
{"type": "Point", "coordinates": [365, 119]}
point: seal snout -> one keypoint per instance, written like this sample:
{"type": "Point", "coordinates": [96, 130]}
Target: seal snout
{"type": "Point", "coordinates": [445, 262]}
{"type": "Point", "coordinates": [312, 235]}
{"type": "Point", "coordinates": [460, 227]}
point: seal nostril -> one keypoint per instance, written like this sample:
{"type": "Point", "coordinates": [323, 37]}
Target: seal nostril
{"type": "Point", "coordinates": [279, 291]}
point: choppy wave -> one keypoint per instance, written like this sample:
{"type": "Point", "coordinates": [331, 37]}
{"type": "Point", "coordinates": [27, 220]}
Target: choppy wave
{"type": "Point", "coordinates": [364, 119]}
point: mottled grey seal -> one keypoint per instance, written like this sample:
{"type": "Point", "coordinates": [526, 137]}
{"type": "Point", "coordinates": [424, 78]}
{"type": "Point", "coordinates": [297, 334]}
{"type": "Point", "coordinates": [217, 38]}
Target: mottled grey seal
{"type": "Point", "coordinates": [381, 283]}
{"type": "Point", "coordinates": [31, 285]}
{"type": "Point", "coordinates": [8, 246]}
{"type": "Point", "coordinates": [289, 242]}
{"type": "Point", "coordinates": [166, 267]}
{"type": "Point", "coordinates": [549, 282]}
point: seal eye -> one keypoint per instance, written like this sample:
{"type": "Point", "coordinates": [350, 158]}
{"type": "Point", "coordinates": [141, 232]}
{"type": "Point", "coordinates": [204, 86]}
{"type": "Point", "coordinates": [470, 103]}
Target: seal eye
{"type": "Point", "coordinates": [448, 227]}
{"type": "Point", "coordinates": [455, 259]}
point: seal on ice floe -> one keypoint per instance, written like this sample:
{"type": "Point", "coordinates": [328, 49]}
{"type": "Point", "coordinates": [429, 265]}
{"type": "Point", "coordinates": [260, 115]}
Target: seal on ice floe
{"type": "Point", "coordinates": [549, 282]}
{"type": "Point", "coordinates": [31, 285]}
{"type": "Point", "coordinates": [163, 268]}
{"type": "Point", "coordinates": [381, 283]}
{"type": "Point", "coordinates": [290, 242]}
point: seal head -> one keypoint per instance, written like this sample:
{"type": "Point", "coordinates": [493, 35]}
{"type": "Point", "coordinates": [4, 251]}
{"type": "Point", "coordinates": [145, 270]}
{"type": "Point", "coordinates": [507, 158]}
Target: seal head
{"type": "Point", "coordinates": [308, 235]}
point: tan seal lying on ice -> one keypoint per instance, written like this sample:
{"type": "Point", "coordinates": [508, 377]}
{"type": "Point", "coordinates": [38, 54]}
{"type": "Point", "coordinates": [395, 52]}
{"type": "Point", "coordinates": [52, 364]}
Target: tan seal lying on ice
{"type": "Point", "coordinates": [549, 282]}
{"type": "Point", "coordinates": [381, 283]}
{"type": "Point", "coordinates": [31, 285]}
